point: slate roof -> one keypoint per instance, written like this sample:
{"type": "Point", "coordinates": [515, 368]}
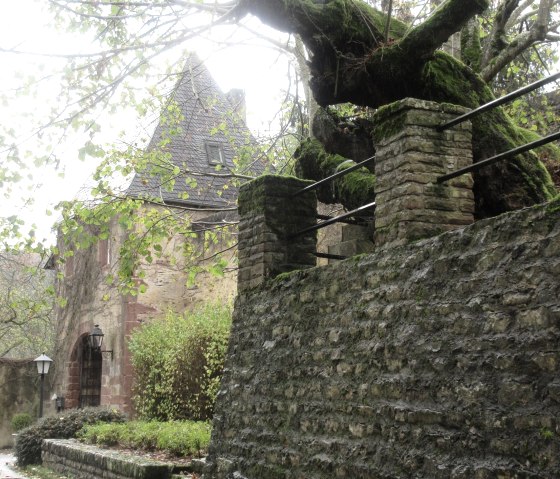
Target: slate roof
{"type": "Point", "coordinates": [208, 120]}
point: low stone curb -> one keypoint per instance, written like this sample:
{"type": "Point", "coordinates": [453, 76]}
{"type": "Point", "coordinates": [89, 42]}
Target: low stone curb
{"type": "Point", "coordinates": [68, 456]}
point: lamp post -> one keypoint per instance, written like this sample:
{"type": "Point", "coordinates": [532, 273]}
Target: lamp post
{"type": "Point", "coordinates": [43, 364]}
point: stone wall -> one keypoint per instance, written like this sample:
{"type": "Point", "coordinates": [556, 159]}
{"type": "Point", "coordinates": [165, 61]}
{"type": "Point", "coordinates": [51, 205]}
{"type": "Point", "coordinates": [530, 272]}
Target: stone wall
{"type": "Point", "coordinates": [410, 155]}
{"type": "Point", "coordinates": [271, 213]}
{"type": "Point", "coordinates": [19, 393]}
{"type": "Point", "coordinates": [79, 461]}
{"type": "Point", "coordinates": [435, 359]}
{"type": "Point", "coordinates": [433, 356]}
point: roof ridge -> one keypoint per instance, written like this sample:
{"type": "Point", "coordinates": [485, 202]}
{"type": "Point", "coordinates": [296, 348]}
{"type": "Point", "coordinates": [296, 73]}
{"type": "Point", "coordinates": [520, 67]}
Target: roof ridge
{"type": "Point", "coordinates": [209, 133]}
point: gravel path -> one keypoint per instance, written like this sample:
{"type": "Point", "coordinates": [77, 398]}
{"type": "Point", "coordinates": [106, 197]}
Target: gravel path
{"type": "Point", "coordinates": [7, 461]}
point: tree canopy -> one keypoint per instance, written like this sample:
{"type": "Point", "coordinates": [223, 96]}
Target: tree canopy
{"type": "Point", "coordinates": [26, 306]}
{"type": "Point", "coordinates": [352, 52]}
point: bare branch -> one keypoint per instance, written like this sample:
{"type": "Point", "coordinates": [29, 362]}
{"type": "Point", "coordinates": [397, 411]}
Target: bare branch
{"type": "Point", "coordinates": [496, 39]}
{"type": "Point", "coordinates": [519, 44]}
{"type": "Point", "coordinates": [523, 18]}
{"type": "Point", "coordinates": [518, 12]}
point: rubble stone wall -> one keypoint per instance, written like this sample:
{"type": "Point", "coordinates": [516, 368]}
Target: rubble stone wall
{"type": "Point", "coordinates": [19, 393]}
{"type": "Point", "coordinates": [439, 358]}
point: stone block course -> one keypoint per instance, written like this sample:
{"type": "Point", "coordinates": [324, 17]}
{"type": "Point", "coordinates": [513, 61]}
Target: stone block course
{"type": "Point", "coordinates": [77, 460]}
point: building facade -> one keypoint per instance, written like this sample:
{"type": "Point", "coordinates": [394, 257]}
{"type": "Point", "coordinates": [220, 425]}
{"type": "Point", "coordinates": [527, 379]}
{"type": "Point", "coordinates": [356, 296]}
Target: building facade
{"type": "Point", "coordinates": [209, 143]}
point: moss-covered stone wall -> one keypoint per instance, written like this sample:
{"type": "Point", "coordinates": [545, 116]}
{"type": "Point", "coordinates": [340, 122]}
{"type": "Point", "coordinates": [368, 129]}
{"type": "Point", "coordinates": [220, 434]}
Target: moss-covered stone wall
{"type": "Point", "coordinates": [411, 154]}
{"type": "Point", "coordinates": [82, 461]}
{"type": "Point", "coordinates": [272, 214]}
{"type": "Point", "coordinates": [435, 359]}
{"type": "Point", "coordinates": [19, 393]}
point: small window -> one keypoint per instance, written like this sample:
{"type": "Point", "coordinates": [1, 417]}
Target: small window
{"type": "Point", "coordinates": [215, 154]}
{"type": "Point", "coordinates": [104, 252]}
{"type": "Point", "coordinates": [69, 266]}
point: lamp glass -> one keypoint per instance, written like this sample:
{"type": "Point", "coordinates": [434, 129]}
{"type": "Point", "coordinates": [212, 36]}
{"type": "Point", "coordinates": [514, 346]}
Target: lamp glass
{"type": "Point", "coordinates": [96, 337]}
{"type": "Point", "coordinates": [43, 364]}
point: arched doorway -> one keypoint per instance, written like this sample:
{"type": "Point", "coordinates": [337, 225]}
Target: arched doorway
{"type": "Point", "coordinates": [90, 374]}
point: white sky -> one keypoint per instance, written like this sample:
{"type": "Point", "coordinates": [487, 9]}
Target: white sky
{"type": "Point", "coordinates": [259, 71]}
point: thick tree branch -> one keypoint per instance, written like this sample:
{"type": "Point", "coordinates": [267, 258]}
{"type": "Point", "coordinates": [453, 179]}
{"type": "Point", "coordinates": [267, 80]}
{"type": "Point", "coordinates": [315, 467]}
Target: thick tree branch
{"type": "Point", "coordinates": [523, 18]}
{"type": "Point", "coordinates": [291, 17]}
{"type": "Point", "coordinates": [449, 18]}
{"type": "Point", "coordinates": [388, 72]}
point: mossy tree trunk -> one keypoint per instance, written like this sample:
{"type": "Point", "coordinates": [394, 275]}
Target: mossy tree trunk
{"type": "Point", "coordinates": [353, 62]}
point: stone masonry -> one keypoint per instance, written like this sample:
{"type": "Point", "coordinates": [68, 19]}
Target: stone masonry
{"type": "Point", "coordinates": [436, 359]}
{"type": "Point", "coordinates": [410, 155]}
{"type": "Point", "coordinates": [82, 461]}
{"type": "Point", "coordinates": [436, 356]}
{"type": "Point", "coordinates": [19, 386]}
{"type": "Point", "coordinates": [271, 215]}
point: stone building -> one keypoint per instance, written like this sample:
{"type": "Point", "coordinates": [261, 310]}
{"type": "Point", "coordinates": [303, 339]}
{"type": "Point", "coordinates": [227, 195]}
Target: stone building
{"type": "Point", "coordinates": [212, 139]}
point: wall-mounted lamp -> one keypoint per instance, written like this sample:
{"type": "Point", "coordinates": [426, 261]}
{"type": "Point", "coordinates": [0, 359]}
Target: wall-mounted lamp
{"type": "Point", "coordinates": [96, 340]}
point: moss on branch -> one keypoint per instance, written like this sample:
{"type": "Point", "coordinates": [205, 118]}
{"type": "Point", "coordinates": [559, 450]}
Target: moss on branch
{"type": "Point", "coordinates": [509, 184]}
{"type": "Point", "coordinates": [352, 190]}
{"type": "Point", "coordinates": [351, 61]}
{"type": "Point", "coordinates": [471, 48]}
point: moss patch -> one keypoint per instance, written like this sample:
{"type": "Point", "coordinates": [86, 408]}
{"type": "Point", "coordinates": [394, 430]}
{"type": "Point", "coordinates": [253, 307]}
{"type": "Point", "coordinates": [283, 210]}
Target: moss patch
{"type": "Point", "coordinates": [352, 190]}
{"type": "Point", "coordinates": [471, 49]}
{"type": "Point", "coordinates": [349, 21]}
{"type": "Point", "coordinates": [253, 194]}
{"type": "Point", "coordinates": [390, 124]}
{"type": "Point", "coordinates": [554, 205]}
{"type": "Point", "coordinates": [511, 183]}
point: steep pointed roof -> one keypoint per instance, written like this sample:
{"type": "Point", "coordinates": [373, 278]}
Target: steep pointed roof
{"type": "Point", "coordinates": [211, 132]}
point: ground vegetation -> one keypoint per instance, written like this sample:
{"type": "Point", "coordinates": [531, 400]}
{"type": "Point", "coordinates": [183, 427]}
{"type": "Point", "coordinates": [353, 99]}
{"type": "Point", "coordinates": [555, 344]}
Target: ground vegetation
{"type": "Point", "coordinates": [28, 443]}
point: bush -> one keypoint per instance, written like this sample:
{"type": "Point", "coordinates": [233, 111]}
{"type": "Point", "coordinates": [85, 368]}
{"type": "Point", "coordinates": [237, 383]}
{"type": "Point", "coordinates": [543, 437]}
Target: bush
{"type": "Point", "coordinates": [178, 362]}
{"type": "Point", "coordinates": [21, 421]}
{"type": "Point", "coordinates": [180, 438]}
{"type": "Point", "coordinates": [28, 443]}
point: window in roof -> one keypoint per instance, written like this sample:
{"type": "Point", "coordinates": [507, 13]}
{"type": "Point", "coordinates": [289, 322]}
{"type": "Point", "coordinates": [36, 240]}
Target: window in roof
{"type": "Point", "coordinates": [104, 252]}
{"type": "Point", "coordinates": [69, 266]}
{"type": "Point", "coordinates": [214, 153]}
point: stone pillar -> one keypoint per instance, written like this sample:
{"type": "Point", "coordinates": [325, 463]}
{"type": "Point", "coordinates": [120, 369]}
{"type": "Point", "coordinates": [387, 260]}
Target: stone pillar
{"type": "Point", "coordinates": [410, 155]}
{"type": "Point", "coordinates": [270, 215]}
{"type": "Point", "coordinates": [354, 239]}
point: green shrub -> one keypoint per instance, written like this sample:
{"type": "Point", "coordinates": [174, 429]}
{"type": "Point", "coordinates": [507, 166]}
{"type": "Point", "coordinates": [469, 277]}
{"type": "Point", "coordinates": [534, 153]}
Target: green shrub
{"type": "Point", "coordinates": [185, 438]}
{"type": "Point", "coordinates": [21, 421]}
{"type": "Point", "coordinates": [108, 434]}
{"type": "Point", "coordinates": [180, 438]}
{"type": "Point", "coordinates": [178, 361]}
{"type": "Point", "coordinates": [28, 443]}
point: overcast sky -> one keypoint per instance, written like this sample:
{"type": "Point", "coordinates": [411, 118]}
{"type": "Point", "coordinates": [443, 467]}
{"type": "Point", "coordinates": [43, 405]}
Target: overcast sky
{"type": "Point", "coordinates": [259, 71]}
